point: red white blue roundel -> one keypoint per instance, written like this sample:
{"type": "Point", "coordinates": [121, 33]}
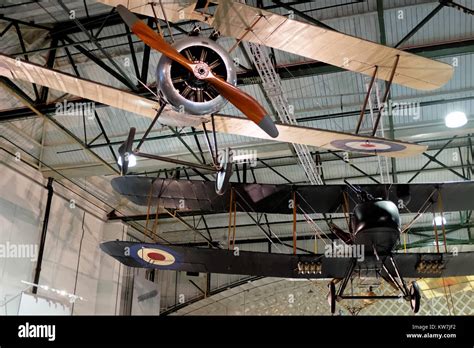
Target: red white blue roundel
{"type": "Point", "coordinates": [369, 146]}
{"type": "Point", "coordinates": [150, 255]}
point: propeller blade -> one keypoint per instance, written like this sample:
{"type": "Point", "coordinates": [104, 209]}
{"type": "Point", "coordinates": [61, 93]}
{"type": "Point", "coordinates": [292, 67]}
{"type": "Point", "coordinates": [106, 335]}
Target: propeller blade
{"type": "Point", "coordinates": [241, 100]}
{"type": "Point", "coordinates": [125, 150]}
{"type": "Point", "coordinates": [245, 103]}
{"type": "Point", "coordinates": [152, 39]}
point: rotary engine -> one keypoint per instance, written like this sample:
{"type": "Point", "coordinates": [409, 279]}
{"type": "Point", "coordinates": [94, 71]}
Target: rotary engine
{"type": "Point", "coordinates": [180, 87]}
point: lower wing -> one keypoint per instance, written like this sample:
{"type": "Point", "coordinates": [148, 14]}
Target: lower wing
{"type": "Point", "coordinates": [30, 72]}
{"type": "Point", "coordinates": [205, 260]}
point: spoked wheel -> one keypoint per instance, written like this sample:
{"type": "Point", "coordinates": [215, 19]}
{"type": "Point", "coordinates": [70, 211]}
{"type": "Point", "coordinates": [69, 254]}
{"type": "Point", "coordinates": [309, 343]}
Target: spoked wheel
{"type": "Point", "coordinates": [224, 173]}
{"type": "Point", "coordinates": [415, 297]}
{"type": "Point", "coordinates": [332, 297]}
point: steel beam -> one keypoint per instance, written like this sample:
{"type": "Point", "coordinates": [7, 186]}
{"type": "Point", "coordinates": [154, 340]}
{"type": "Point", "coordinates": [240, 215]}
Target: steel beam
{"type": "Point", "coordinates": [23, 49]}
{"type": "Point", "coordinates": [430, 160]}
{"type": "Point", "coordinates": [434, 159]}
{"type": "Point", "coordinates": [132, 51]}
{"type": "Point", "coordinates": [18, 93]}
{"type": "Point", "coordinates": [28, 24]}
{"type": "Point", "coordinates": [303, 15]}
{"type": "Point", "coordinates": [99, 46]}
{"type": "Point", "coordinates": [44, 231]}
{"type": "Point", "coordinates": [355, 167]}
{"type": "Point", "coordinates": [275, 171]}
{"type": "Point", "coordinates": [49, 64]}
{"type": "Point", "coordinates": [420, 25]}
{"type": "Point", "coordinates": [146, 58]}
{"type": "Point", "coordinates": [100, 63]}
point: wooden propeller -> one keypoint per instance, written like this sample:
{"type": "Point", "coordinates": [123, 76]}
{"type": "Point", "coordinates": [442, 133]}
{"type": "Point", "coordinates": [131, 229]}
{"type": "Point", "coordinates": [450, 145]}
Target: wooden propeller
{"type": "Point", "coordinates": [241, 100]}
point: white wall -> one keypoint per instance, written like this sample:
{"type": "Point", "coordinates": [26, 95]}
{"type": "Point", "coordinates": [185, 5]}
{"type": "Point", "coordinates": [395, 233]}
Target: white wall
{"type": "Point", "coordinates": [20, 221]}
{"type": "Point", "coordinates": [72, 259]}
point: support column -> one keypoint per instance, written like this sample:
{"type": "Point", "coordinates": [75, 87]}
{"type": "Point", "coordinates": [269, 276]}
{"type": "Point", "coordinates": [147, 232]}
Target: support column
{"type": "Point", "coordinates": [43, 234]}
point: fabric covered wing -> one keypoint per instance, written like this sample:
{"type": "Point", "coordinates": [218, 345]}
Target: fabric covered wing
{"type": "Point", "coordinates": [175, 10]}
{"type": "Point", "coordinates": [115, 97]}
{"type": "Point", "coordinates": [345, 51]}
{"type": "Point", "coordinates": [221, 261]}
{"type": "Point", "coordinates": [248, 23]}
{"type": "Point", "coordinates": [30, 72]}
{"type": "Point", "coordinates": [251, 263]}
{"type": "Point", "coordinates": [200, 196]}
{"type": "Point", "coordinates": [327, 139]}
{"type": "Point", "coordinates": [450, 264]}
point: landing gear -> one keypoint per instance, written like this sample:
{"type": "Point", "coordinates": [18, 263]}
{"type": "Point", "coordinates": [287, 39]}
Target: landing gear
{"type": "Point", "coordinates": [332, 297]}
{"type": "Point", "coordinates": [391, 275]}
{"type": "Point", "coordinates": [221, 162]}
{"type": "Point", "coordinates": [415, 297]}
{"type": "Point", "coordinates": [224, 173]}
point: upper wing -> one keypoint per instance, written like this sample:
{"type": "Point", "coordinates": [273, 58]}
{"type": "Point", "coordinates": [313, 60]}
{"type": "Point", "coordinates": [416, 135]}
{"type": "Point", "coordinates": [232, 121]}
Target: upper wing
{"type": "Point", "coordinates": [175, 10]}
{"type": "Point", "coordinates": [20, 70]}
{"type": "Point", "coordinates": [248, 23]}
{"type": "Point", "coordinates": [200, 196]}
{"type": "Point", "coordinates": [341, 50]}
{"type": "Point", "coordinates": [206, 260]}
{"type": "Point", "coordinates": [326, 139]}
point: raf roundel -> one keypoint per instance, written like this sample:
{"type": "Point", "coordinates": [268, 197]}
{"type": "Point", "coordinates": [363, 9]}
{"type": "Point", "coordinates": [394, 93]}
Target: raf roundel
{"type": "Point", "coordinates": [369, 146]}
{"type": "Point", "coordinates": [156, 256]}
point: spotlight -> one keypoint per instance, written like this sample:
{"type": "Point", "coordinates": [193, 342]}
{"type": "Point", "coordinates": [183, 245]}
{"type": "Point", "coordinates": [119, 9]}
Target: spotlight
{"type": "Point", "coordinates": [438, 221]}
{"type": "Point", "coordinates": [132, 160]}
{"type": "Point", "coordinates": [455, 119]}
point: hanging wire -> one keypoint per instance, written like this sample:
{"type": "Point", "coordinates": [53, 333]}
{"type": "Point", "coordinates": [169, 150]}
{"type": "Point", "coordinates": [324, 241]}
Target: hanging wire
{"type": "Point", "coordinates": [422, 210]}
{"type": "Point", "coordinates": [271, 232]}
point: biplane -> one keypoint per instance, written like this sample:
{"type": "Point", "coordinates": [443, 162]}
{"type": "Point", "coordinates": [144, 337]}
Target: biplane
{"type": "Point", "coordinates": [196, 76]}
{"type": "Point", "coordinates": [374, 231]}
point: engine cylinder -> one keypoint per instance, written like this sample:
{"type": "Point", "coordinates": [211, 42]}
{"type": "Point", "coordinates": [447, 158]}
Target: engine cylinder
{"type": "Point", "coordinates": [182, 89]}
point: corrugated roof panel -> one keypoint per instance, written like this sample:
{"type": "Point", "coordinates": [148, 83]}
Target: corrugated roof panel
{"type": "Point", "coordinates": [447, 25]}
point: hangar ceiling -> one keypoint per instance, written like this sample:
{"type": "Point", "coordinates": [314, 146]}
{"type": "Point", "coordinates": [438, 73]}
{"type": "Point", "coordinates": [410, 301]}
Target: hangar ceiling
{"type": "Point", "coordinates": [81, 151]}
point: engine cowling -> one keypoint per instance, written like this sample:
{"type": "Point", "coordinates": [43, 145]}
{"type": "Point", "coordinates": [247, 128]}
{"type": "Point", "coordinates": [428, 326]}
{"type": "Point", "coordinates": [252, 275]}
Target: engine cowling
{"type": "Point", "coordinates": [181, 89]}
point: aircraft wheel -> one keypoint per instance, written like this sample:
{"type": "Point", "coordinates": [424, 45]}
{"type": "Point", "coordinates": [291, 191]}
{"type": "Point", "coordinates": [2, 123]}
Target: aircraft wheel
{"type": "Point", "coordinates": [415, 297]}
{"type": "Point", "coordinates": [224, 173]}
{"type": "Point", "coordinates": [332, 297]}
{"type": "Point", "coordinates": [125, 150]}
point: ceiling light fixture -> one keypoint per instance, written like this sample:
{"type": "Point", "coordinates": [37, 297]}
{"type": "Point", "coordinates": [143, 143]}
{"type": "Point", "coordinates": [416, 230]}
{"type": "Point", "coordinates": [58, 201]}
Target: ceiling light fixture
{"type": "Point", "coordinates": [455, 119]}
{"type": "Point", "coordinates": [132, 161]}
{"type": "Point", "coordinates": [438, 221]}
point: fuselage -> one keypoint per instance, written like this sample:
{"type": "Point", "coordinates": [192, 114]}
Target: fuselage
{"type": "Point", "coordinates": [376, 225]}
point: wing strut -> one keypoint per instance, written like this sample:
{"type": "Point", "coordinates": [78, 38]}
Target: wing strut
{"type": "Point", "coordinates": [366, 100]}
{"type": "Point", "coordinates": [387, 91]}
